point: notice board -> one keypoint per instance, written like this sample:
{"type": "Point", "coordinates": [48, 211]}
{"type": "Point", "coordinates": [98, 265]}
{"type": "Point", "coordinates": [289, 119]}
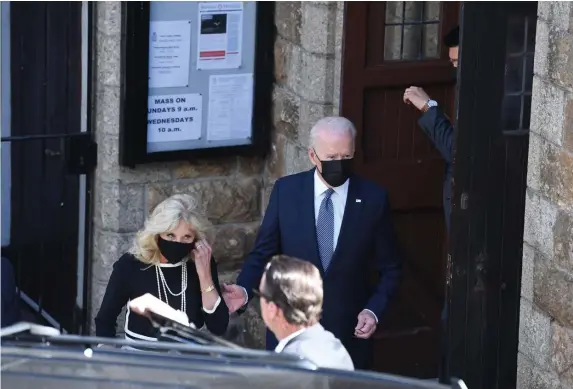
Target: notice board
{"type": "Point", "coordinates": [197, 80]}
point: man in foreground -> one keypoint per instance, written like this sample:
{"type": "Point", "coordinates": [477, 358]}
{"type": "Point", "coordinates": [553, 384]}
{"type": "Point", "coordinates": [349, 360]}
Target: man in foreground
{"type": "Point", "coordinates": [291, 303]}
{"type": "Point", "coordinates": [342, 224]}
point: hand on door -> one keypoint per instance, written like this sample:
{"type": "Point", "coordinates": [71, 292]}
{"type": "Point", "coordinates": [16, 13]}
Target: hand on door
{"type": "Point", "coordinates": [416, 96]}
{"type": "Point", "coordinates": [366, 325]}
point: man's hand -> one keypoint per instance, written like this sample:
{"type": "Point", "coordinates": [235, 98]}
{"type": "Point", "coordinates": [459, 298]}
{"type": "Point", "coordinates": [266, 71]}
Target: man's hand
{"type": "Point", "coordinates": [416, 96]}
{"type": "Point", "coordinates": [234, 297]}
{"type": "Point", "coordinates": [366, 325]}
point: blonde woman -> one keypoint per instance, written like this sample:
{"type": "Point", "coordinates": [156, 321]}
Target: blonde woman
{"type": "Point", "coordinates": [170, 259]}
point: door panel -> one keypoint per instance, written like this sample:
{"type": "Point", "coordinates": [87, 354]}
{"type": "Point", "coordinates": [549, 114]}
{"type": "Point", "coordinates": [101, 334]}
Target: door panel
{"type": "Point", "coordinates": [491, 153]}
{"type": "Point", "coordinates": [387, 48]}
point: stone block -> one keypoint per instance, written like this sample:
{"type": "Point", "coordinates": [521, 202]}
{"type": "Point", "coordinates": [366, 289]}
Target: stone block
{"type": "Point", "coordinates": [534, 161]}
{"type": "Point", "coordinates": [282, 60]}
{"type": "Point", "coordinates": [108, 57]}
{"type": "Point", "coordinates": [156, 193]}
{"type": "Point", "coordinates": [534, 334]}
{"type": "Point", "coordinates": [562, 356]}
{"type": "Point", "coordinates": [275, 167]}
{"type": "Point", "coordinates": [314, 76]}
{"type": "Point", "coordinates": [560, 59]}
{"type": "Point", "coordinates": [225, 201]}
{"type": "Point", "coordinates": [552, 291]}
{"type": "Point", "coordinates": [555, 174]}
{"type": "Point", "coordinates": [108, 169]}
{"type": "Point", "coordinates": [527, 269]}
{"type": "Point", "coordinates": [119, 207]}
{"type": "Point", "coordinates": [108, 108]}
{"type": "Point", "coordinates": [524, 371]}
{"type": "Point", "coordinates": [108, 247]}
{"type": "Point", "coordinates": [250, 166]}
{"type": "Point", "coordinates": [286, 111]}
{"type": "Point", "coordinates": [540, 217]}
{"type": "Point", "coordinates": [109, 17]}
{"type": "Point", "coordinates": [217, 167]}
{"type": "Point", "coordinates": [310, 113]}
{"type": "Point", "coordinates": [543, 379]}
{"type": "Point", "coordinates": [562, 240]}
{"type": "Point", "coordinates": [541, 58]}
{"type": "Point", "coordinates": [558, 14]}
{"type": "Point", "coordinates": [288, 16]}
{"type": "Point", "coordinates": [317, 28]}
{"type": "Point", "coordinates": [568, 129]}
{"type": "Point", "coordinates": [232, 243]}
{"type": "Point", "coordinates": [547, 113]}
{"type": "Point", "coordinates": [296, 158]}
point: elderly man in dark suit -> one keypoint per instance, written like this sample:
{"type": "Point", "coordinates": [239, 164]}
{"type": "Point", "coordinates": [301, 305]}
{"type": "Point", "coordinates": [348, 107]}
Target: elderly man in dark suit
{"type": "Point", "coordinates": [342, 224]}
{"type": "Point", "coordinates": [291, 302]}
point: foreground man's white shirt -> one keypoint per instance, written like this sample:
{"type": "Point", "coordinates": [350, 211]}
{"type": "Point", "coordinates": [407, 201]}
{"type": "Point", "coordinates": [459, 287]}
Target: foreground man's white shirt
{"type": "Point", "coordinates": [282, 344]}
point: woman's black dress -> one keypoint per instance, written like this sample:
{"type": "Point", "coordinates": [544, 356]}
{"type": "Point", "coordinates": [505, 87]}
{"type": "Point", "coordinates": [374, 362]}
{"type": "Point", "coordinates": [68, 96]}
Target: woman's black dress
{"type": "Point", "coordinates": [131, 279]}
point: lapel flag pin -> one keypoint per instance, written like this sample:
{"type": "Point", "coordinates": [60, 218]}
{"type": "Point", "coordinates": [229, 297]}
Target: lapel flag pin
{"type": "Point", "coordinates": [358, 200]}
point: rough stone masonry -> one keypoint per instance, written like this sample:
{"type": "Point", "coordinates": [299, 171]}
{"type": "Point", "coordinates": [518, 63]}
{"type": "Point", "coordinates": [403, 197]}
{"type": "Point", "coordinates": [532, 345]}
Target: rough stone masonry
{"type": "Point", "coordinates": [545, 358]}
{"type": "Point", "coordinates": [234, 191]}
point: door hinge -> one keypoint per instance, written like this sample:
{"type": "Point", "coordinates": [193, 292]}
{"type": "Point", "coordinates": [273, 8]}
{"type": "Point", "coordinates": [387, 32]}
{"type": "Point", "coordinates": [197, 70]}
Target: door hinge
{"type": "Point", "coordinates": [81, 154]}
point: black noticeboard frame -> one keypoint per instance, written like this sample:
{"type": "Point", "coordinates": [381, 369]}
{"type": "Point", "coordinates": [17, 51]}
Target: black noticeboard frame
{"type": "Point", "coordinates": [135, 90]}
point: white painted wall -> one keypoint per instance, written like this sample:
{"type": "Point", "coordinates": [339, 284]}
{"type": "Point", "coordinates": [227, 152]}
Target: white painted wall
{"type": "Point", "coordinates": [5, 119]}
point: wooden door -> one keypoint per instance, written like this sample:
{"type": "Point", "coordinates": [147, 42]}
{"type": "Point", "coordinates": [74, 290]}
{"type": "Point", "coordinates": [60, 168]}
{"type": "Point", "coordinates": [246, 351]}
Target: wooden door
{"type": "Point", "coordinates": [490, 173]}
{"type": "Point", "coordinates": [387, 48]}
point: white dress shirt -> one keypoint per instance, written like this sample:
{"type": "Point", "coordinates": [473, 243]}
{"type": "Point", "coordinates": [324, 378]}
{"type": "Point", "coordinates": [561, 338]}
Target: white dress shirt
{"type": "Point", "coordinates": [338, 204]}
{"type": "Point", "coordinates": [284, 341]}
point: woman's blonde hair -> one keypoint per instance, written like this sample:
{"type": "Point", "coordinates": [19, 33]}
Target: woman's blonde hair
{"type": "Point", "coordinates": [165, 218]}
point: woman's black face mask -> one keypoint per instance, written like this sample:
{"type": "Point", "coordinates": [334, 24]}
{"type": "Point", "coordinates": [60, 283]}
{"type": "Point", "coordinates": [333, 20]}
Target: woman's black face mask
{"type": "Point", "coordinates": [174, 252]}
{"type": "Point", "coordinates": [335, 172]}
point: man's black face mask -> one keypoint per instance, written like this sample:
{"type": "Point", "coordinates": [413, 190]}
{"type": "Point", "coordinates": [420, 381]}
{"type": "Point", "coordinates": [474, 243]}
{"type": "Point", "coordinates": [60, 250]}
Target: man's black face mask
{"type": "Point", "coordinates": [335, 172]}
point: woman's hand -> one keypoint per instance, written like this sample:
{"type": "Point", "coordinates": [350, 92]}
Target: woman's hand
{"type": "Point", "coordinates": [202, 257]}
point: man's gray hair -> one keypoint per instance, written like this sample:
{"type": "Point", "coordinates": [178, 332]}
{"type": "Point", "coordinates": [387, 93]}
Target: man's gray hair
{"type": "Point", "coordinates": [332, 124]}
{"type": "Point", "coordinates": [295, 286]}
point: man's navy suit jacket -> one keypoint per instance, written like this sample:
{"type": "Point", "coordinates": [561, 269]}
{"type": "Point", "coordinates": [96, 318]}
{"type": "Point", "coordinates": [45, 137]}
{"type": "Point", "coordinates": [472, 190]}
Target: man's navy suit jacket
{"type": "Point", "coordinates": [440, 131]}
{"type": "Point", "coordinates": [366, 244]}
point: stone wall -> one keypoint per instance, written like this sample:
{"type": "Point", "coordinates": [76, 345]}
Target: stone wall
{"type": "Point", "coordinates": [234, 190]}
{"type": "Point", "coordinates": [545, 358]}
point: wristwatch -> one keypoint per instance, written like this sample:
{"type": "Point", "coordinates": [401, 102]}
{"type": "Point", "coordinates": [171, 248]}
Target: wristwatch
{"type": "Point", "coordinates": [429, 104]}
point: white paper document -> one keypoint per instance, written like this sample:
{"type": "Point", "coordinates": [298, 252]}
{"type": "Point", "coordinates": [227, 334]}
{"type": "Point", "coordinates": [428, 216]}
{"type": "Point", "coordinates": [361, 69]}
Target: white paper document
{"type": "Point", "coordinates": [169, 53]}
{"type": "Point", "coordinates": [230, 107]}
{"type": "Point", "coordinates": [220, 35]}
{"type": "Point", "coordinates": [174, 117]}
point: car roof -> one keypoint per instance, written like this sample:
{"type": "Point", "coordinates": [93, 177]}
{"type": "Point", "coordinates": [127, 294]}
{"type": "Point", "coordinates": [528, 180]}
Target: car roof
{"type": "Point", "coordinates": [64, 367]}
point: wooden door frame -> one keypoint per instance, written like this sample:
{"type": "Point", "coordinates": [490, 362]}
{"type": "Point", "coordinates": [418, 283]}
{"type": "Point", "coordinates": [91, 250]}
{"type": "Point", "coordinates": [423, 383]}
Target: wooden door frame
{"type": "Point", "coordinates": [477, 350]}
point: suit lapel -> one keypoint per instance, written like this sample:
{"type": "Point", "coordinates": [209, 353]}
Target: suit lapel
{"type": "Point", "coordinates": [351, 218]}
{"type": "Point", "coordinates": [308, 219]}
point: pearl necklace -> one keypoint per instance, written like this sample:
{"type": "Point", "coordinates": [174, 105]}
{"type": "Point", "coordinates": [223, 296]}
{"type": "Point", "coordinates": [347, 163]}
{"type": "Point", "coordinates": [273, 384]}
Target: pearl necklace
{"type": "Point", "coordinates": [163, 285]}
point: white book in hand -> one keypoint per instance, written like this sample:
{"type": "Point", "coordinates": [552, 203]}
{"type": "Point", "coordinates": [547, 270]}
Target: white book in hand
{"type": "Point", "coordinates": [150, 303]}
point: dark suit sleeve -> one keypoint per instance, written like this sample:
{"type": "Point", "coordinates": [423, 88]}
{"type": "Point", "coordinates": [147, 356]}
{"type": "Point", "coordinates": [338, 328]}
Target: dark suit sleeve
{"type": "Point", "coordinates": [115, 298]}
{"type": "Point", "coordinates": [267, 244]}
{"type": "Point", "coordinates": [439, 129]}
{"type": "Point", "coordinates": [217, 321]}
{"type": "Point", "coordinates": [387, 260]}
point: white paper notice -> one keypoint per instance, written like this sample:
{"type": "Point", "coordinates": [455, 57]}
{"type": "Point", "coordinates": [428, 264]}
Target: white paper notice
{"type": "Point", "coordinates": [220, 35]}
{"type": "Point", "coordinates": [174, 118]}
{"type": "Point", "coordinates": [169, 53]}
{"type": "Point", "coordinates": [230, 107]}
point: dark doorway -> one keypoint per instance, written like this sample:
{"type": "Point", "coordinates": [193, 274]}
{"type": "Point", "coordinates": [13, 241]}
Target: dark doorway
{"type": "Point", "coordinates": [388, 47]}
{"type": "Point", "coordinates": [46, 142]}
{"type": "Point", "coordinates": [490, 169]}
